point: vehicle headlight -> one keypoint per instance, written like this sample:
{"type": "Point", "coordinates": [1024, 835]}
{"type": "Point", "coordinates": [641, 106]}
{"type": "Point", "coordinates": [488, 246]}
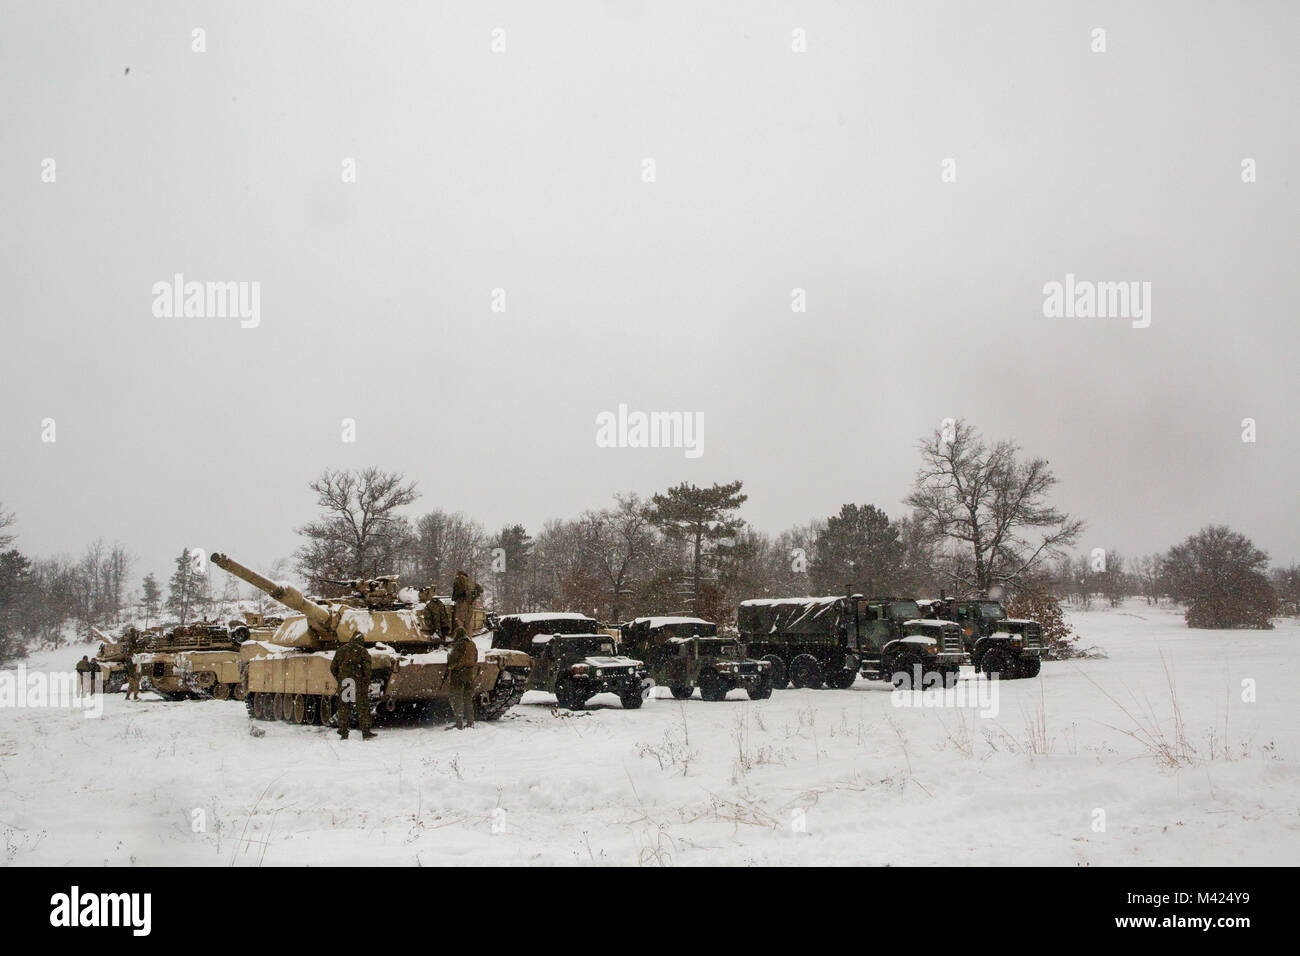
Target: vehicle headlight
{"type": "Point", "coordinates": [599, 672]}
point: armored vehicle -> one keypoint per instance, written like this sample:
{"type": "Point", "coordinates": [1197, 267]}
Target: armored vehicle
{"type": "Point", "coordinates": [999, 646]}
{"type": "Point", "coordinates": [516, 631]}
{"type": "Point", "coordinates": [816, 640]}
{"type": "Point", "coordinates": [191, 661]}
{"type": "Point", "coordinates": [254, 626]}
{"type": "Point", "coordinates": [577, 667]}
{"type": "Point", "coordinates": [112, 655]}
{"type": "Point", "coordinates": [287, 676]}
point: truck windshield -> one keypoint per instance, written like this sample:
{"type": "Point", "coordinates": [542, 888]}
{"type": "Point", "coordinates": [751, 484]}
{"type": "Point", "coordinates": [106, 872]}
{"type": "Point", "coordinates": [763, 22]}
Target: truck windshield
{"type": "Point", "coordinates": [709, 649]}
{"type": "Point", "coordinates": [904, 610]}
{"type": "Point", "coordinates": [992, 611]}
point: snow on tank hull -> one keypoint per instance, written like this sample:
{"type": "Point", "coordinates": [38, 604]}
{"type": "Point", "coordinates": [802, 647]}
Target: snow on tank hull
{"type": "Point", "coordinates": [295, 684]}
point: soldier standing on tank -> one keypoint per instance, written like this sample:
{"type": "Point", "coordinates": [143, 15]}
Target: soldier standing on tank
{"type": "Point", "coordinates": [461, 662]}
{"type": "Point", "coordinates": [464, 592]}
{"type": "Point", "coordinates": [83, 673]}
{"type": "Point", "coordinates": [351, 668]}
{"type": "Point", "coordinates": [437, 618]}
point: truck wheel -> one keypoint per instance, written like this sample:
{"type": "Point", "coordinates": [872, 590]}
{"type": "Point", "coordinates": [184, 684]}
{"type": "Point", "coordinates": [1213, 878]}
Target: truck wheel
{"type": "Point", "coordinates": [998, 665]}
{"type": "Point", "coordinates": [904, 672]}
{"type": "Point", "coordinates": [805, 671]}
{"type": "Point", "coordinates": [780, 675]}
{"type": "Point", "coordinates": [567, 694]}
{"type": "Point", "coordinates": [682, 693]}
{"type": "Point", "coordinates": [712, 687]}
{"type": "Point", "coordinates": [763, 691]}
{"type": "Point", "coordinates": [1030, 666]}
{"type": "Point", "coordinates": [841, 679]}
{"type": "Point", "coordinates": [631, 698]}
{"type": "Point", "coordinates": [221, 692]}
{"type": "Point", "coordinates": [239, 691]}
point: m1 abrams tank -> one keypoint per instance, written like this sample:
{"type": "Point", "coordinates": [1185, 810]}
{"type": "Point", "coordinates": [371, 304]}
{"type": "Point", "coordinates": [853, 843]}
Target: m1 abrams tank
{"type": "Point", "coordinates": [287, 675]}
{"type": "Point", "coordinates": [112, 656]}
{"type": "Point", "coordinates": [191, 662]}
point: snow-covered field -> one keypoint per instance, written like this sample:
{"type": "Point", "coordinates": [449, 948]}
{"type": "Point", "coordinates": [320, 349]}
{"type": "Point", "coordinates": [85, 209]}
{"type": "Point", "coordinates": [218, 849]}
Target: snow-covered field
{"type": "Point", "coordinates": [808, 777]}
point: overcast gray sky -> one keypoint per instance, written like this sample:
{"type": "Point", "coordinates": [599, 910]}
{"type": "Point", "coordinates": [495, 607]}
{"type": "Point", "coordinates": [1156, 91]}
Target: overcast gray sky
{"type": "Point", "coordinates": [523, 171]}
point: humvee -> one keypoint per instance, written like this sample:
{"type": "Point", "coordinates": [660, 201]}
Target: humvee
{"type": "Point", "coordinates": [516, 631]}
{"type": "Point", "coordinates": [716, 665]}
{"type": "Point", "coordinates": [576, 667]}
{"type": "Point", "coordinates": [999, 646]}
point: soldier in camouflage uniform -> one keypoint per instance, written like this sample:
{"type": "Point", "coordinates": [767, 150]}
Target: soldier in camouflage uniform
{"type": "Point", "coordinates": [461, 663]}
{"type": "Point", "coordinates": [132, 679]}
{"type": "Point", "coordinates": [351, 668]}
{"type": "Point", "coordinates": [83, 674]}
{"type": "Point", "coordinates": [437, 618]}
{"type": "Point", "coordinates": [464, 592]}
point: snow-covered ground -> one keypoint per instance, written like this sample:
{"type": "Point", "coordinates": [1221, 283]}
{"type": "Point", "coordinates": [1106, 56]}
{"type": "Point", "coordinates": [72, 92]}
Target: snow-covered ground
{"type": "Point", "coordinates": [810, 777]}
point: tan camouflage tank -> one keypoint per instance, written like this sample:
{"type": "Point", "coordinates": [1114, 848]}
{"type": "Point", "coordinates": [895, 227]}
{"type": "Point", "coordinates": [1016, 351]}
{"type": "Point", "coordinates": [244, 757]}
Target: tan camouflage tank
{"type": "Point", "coordinates": [287, 675]}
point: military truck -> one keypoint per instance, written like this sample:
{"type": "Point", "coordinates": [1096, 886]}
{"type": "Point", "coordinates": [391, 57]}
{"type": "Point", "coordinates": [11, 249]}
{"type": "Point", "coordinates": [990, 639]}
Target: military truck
{"type": "Point", "coordinates": [287, 676]}
{"type": "Point", "coordinates": [830, 640]}
{"type": "Point", "coordinates": [999, 646]}
{"type": "Point", "coordinates": [191, 661]}
{"type": "Point", "coordinates": [516, 631]}
{"type": "Point", "coordinates": [577, 667]}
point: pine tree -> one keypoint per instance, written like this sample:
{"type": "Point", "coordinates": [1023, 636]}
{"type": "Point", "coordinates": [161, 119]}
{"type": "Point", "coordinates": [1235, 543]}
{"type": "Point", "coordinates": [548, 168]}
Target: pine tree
{"type": "Point", "coordinates": [859, 549]}
{"type": "Point", "coordinates": [704, 518]}
{"type": "Point", "coordinates": [187, 589]}
{"type": "Point", "coordinates": [152, 597]}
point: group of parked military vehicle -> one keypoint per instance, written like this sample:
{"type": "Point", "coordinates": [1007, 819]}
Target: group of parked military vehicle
{"type": "Point", "coordinates": [282, 667]}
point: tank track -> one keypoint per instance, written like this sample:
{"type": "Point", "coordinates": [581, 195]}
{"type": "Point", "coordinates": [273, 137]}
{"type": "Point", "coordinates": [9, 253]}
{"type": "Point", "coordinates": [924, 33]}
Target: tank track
{"type": "Point", "coordinates": [509, 690]}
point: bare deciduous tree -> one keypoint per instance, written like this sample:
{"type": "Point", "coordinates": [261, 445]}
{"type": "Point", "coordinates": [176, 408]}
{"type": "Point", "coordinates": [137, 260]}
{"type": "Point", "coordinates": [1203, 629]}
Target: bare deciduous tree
{"type": "Point", "coordinates": [991, 505]}
{"type": "Point", "coordinates": [359, 533]}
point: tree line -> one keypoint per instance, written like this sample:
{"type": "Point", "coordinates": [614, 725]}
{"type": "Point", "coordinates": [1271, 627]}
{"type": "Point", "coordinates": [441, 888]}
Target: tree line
{"type": "Point", "coordinates": [980, 520]}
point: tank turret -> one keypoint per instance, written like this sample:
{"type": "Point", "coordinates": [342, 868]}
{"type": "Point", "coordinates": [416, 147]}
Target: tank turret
{"type": "Point", "coordinates": [329, 625]}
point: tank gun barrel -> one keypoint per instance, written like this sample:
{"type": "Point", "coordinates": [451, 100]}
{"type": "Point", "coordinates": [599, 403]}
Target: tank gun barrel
{"type": "Point", "coordinates": [287, 595]}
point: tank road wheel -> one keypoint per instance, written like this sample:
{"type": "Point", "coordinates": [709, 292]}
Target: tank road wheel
{"type": "Point", "coordinates": [805, 671]}
{"type": "Point", "coordinates": [1030, 666]}
{"type": "Point", "coordinates": [325, 712]}
{"type": "Point", "coordinates": [239, 691]}
{"type": "Point", "coordinates": [780, 676]}
{"type": "Point", "coordinates": [221, 692]}
{"type": "Point", "coordinates": [567, 694]}
{"type": "Point", "coordinates": [998, 665]}
{"type": "Point", "coordinates": [712, 687]}
{"type": "Point", "coordinates": [282, 704]}
{"type": "Point", "coordinates": [764, 689]}
{"type": "Point", "coordinates": [682, 693]}
{"type": "Point", "coordinates": [298, 709]}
